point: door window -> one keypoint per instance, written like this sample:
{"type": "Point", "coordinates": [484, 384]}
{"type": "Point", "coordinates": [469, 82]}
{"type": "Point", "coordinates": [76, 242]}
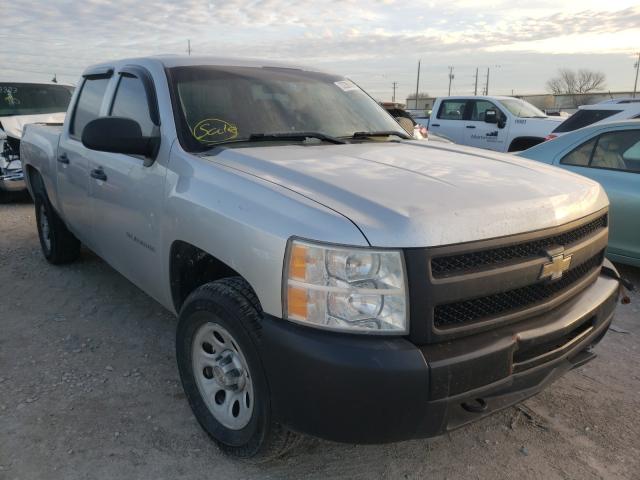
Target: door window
{"type": "Point", "coordinates": [479, 108]}
{"type": "Point", "coordinates": [452, 109]}
{"type": "Point", "coordinates": [88, 104]}
{"type": "Point", "coordinates": [131, 102]}
{"type": "Point", "coordinates": [613, 150]}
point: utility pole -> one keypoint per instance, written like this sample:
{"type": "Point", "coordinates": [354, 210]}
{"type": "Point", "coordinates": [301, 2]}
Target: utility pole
{"type": "Point", "coordinates": [486, 88]}
{"type": "Point", "coordinates": [417, 84]}
{"type": "Point", "coordinates": [393, 99]}
{"type": "Point", "coordinates": [635, 85]}
{"type": "Point", "coordinates": [475, 89]}
{"type": "Point", "coordinates": [451, 77]}
{"type": "Point", "coordinates": [189, 47]}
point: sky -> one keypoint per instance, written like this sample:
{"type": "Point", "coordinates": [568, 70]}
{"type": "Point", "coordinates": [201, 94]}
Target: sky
{"type": "Point", "coordinates": [374, 42]}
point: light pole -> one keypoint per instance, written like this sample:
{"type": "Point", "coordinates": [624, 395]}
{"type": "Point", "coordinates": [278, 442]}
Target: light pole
{"type": "Point", "coordinates": [393, 99]}
{"type": "Point", "coordinates": [635, 84]}
{"type": "Point", "coordinates": [417, 84]}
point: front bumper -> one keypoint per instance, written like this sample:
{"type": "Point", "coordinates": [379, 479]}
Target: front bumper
{"type": "Point", "coordinates": [12, 181]}
{"type": "Point", "coordinates": [363, 389]}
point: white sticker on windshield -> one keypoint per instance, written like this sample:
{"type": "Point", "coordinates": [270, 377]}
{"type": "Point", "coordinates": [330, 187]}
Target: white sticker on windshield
{"type": "Point", "coordinates": [346, 85]}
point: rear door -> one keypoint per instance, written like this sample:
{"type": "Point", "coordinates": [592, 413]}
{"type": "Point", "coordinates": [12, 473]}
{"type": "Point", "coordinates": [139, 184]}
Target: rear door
{"type": "Point", "coordinates": [613, 159]}
{"type": "Point", "coordinates": [478, 133]}
{"type": "Point", "coordinates": [127, 190]}
{"type": "Point", "coordinates": [73, 157]}
{"type": "Point", "coordinates": [449, 119]}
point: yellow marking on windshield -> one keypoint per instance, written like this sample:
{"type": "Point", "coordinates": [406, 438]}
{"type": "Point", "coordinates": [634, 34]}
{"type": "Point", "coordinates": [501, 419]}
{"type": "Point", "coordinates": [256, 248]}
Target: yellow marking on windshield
{"type": "Point", "coordinates": [214, 130]}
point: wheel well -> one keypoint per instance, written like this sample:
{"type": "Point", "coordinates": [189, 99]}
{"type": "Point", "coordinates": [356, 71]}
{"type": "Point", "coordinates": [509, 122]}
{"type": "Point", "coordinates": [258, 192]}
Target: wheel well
{"type": "Point", "coordinates": [33, 179]}
{"type": "Point", "coordinates": [522, 143]}
{"type": "Point", "coordinates": [191, 267]}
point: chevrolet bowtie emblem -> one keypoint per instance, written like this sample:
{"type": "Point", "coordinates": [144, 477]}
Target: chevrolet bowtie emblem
{"type": "Point", "coordinates": [556, 267]}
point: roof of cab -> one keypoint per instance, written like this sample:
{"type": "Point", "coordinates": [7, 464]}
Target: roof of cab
{"type": "Point", "coordinates": [170, 61]}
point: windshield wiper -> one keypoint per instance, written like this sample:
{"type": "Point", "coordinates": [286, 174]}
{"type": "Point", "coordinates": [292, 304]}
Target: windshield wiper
{"type": "Point", "coordinates": [383, 133]}
{"type": "Point", "coordinates": [262, 137]}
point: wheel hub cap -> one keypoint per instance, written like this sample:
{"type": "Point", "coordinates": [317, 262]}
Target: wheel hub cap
{"type": "Point", "coordinates": [222, 376]}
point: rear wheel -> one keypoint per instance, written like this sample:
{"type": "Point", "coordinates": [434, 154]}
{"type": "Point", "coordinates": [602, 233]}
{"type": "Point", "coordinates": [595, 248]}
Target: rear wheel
{"type": "Point", "coordinates": [222, 373]}
{"type": "Point", "coordinates": [58, 244]}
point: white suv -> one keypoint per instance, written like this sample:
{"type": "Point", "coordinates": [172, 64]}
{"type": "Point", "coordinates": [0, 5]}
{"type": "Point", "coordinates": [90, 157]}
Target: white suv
{"type": "Point", "coordinates": [505, 124]}
{"type": "Point", "coordinates": [614, 109]}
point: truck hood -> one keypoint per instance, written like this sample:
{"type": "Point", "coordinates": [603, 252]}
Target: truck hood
{"type": "Point", "coordinates": [13, 125]}
{"type": "Point", "coordinates": [538, 126]}
{"type": "Point", "coordinates": [417, 194]}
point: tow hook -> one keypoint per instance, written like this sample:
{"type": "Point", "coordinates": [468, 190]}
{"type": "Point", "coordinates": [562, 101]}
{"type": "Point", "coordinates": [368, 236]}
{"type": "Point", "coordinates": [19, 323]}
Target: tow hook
{"type": "Point", "coordinates": [477, 405]}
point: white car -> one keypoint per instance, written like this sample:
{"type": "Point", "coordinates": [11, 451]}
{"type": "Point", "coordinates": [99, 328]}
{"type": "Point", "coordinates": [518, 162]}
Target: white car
{"type": "Point", "coordinates": [605, 111]}
{"type": "Point", "coordinates": [504, 124]}
{"type": "Point", "coordinates": [20, 105]}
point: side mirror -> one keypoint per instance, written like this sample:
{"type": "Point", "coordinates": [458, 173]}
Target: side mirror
{"type": "Point", "coordinates": [491, 116]}
{"type": "Point", "coordinates": [119, 135]}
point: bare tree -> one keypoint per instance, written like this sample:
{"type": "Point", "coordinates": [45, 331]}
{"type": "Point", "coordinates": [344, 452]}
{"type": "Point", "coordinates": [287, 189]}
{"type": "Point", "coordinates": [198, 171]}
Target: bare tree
{"type": "Point", "coordinates": [571, 82]}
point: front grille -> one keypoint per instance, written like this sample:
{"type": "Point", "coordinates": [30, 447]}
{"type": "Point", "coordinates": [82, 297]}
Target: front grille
{"type": "Point", "coordinates": [462, 263]}
{"type": "Point", "coordinates": [500, 304]}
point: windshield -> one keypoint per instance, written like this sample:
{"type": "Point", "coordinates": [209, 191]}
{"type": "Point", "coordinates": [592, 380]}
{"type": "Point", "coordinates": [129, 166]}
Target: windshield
{"type": "Point", "coordinates": [218, 105]}
{"type": "Point", "coordinates": [522, 109]}
{"type": "Point", "coordinates": [33, 99]}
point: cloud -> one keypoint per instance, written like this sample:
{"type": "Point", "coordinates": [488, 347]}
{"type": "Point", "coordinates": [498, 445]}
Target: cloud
{"type": "Point", "coordinates": [65, 36]}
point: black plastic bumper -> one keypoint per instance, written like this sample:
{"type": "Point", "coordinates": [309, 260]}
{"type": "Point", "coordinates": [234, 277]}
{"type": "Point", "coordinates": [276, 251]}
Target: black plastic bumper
{"type": "Point", "coordinates": [359, 389]}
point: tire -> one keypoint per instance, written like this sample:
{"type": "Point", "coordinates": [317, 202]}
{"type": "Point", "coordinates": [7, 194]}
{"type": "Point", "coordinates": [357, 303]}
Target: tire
{"type": "Point", "coordinates": [228, 310]}
{"type": "Point", "coordinates": [58, 244]}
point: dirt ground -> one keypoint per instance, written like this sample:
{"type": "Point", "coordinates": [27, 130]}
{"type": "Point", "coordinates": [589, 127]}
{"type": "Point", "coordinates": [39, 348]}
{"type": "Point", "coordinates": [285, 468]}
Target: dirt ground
{"type": "Point", "coordinates": [89, 389]}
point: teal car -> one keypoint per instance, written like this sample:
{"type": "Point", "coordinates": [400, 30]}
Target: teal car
{"type": "Point", "coordinates": [608, 153]}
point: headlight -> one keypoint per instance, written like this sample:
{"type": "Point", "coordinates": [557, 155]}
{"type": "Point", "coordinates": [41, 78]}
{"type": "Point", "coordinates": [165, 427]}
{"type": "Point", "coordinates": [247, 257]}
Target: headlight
{"type": "Point", "coordinates": [342, 288]}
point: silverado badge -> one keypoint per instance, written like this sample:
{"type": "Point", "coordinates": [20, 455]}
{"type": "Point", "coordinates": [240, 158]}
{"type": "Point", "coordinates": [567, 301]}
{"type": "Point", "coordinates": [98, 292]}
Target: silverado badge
{"type": "Point", "coordinates": [556, 267]}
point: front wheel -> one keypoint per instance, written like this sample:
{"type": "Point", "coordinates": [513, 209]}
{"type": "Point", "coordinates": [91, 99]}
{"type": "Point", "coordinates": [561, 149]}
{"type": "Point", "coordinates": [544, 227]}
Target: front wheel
{"type": "Point", "coordinates": [221, 371]}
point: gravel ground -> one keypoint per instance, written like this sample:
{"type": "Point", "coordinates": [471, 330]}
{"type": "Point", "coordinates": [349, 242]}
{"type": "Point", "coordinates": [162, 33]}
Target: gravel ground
{"type": "Point", "coordinates": [89, 389]}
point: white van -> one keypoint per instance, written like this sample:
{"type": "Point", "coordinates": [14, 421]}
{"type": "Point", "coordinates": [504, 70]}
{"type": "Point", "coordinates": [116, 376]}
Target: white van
{"type": "Point", "coordinates": [505, 124]}
{"type": "Point", "coordinates": [607, 110]}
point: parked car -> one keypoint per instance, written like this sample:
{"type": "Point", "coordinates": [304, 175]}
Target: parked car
{"type": "Point", "coordinates": [605, 111]}
{"type": "Point", "coordinates": [418, 131]}
{"type": "Point", "coordinates": [20, 104]}
{"type": "Point", "coordinates": [504, 124]}
{"type": "Point", "coordinates": [608, 153]}
{"type": "Point", "coordinates": [331, 276]}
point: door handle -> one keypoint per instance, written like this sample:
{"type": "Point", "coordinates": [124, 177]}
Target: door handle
{"type": "Point", "coordinates": [98, 174]}
{"type": "Point", "coordinates": [471, 126]}
{"type": "Point", "coordinates": [435, 125]}
{"type": "Point", "coordinates": [62, 158]}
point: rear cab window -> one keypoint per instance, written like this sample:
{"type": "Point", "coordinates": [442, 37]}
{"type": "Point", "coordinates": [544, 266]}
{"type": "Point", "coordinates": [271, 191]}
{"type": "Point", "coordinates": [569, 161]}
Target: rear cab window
{"type": "Point", "coordinates": [88, 105]}
{"type": "Point", "coordinates": [582, 118]}
{"type": "Point", "coordinates": [452, 110]}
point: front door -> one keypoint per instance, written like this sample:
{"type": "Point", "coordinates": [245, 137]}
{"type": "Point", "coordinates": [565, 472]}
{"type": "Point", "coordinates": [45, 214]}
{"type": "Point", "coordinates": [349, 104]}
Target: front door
{"type": "Point", "coordinates": [127, 196]}
{"type": "Point", "coordinates": [478, 133]}
{"type": "Point", "coordinates": [613, 160]}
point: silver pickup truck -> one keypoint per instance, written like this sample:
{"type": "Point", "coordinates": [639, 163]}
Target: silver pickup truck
{"type": "Point", "coordinates": [330, 275]}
